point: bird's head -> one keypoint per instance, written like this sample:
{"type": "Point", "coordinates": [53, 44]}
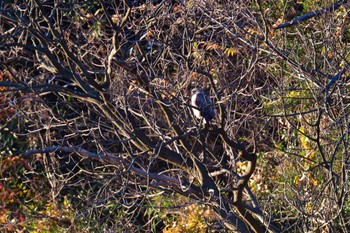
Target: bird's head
{"type": "Point", "coordinates": [196, 90]}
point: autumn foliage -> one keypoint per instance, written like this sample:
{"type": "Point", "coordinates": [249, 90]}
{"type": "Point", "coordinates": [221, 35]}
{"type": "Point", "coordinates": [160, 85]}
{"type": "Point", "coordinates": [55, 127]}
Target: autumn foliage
{"type": "Point", "coordinates": [97, 132]}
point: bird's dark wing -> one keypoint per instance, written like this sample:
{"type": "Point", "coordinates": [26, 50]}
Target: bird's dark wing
{"type": "Point", "coordinates": [201, 100]}
{"type": "Point", "coordinates": [209, 111]}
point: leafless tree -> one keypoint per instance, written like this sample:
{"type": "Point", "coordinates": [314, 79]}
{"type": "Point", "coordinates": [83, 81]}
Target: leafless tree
{"type": "Point", "coordinates": [103, 88]}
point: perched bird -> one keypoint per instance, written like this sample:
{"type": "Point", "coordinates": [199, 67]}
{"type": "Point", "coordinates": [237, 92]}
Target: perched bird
{"type": "Point", "coordinates": [202, 105]}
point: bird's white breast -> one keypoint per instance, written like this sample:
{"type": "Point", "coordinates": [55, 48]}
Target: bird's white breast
{"type": "Point", "coordinates": [196, 111]}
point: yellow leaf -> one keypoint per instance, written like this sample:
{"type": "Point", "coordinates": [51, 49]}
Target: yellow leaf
{"type": "Point", "coordinates": [230, 52]}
